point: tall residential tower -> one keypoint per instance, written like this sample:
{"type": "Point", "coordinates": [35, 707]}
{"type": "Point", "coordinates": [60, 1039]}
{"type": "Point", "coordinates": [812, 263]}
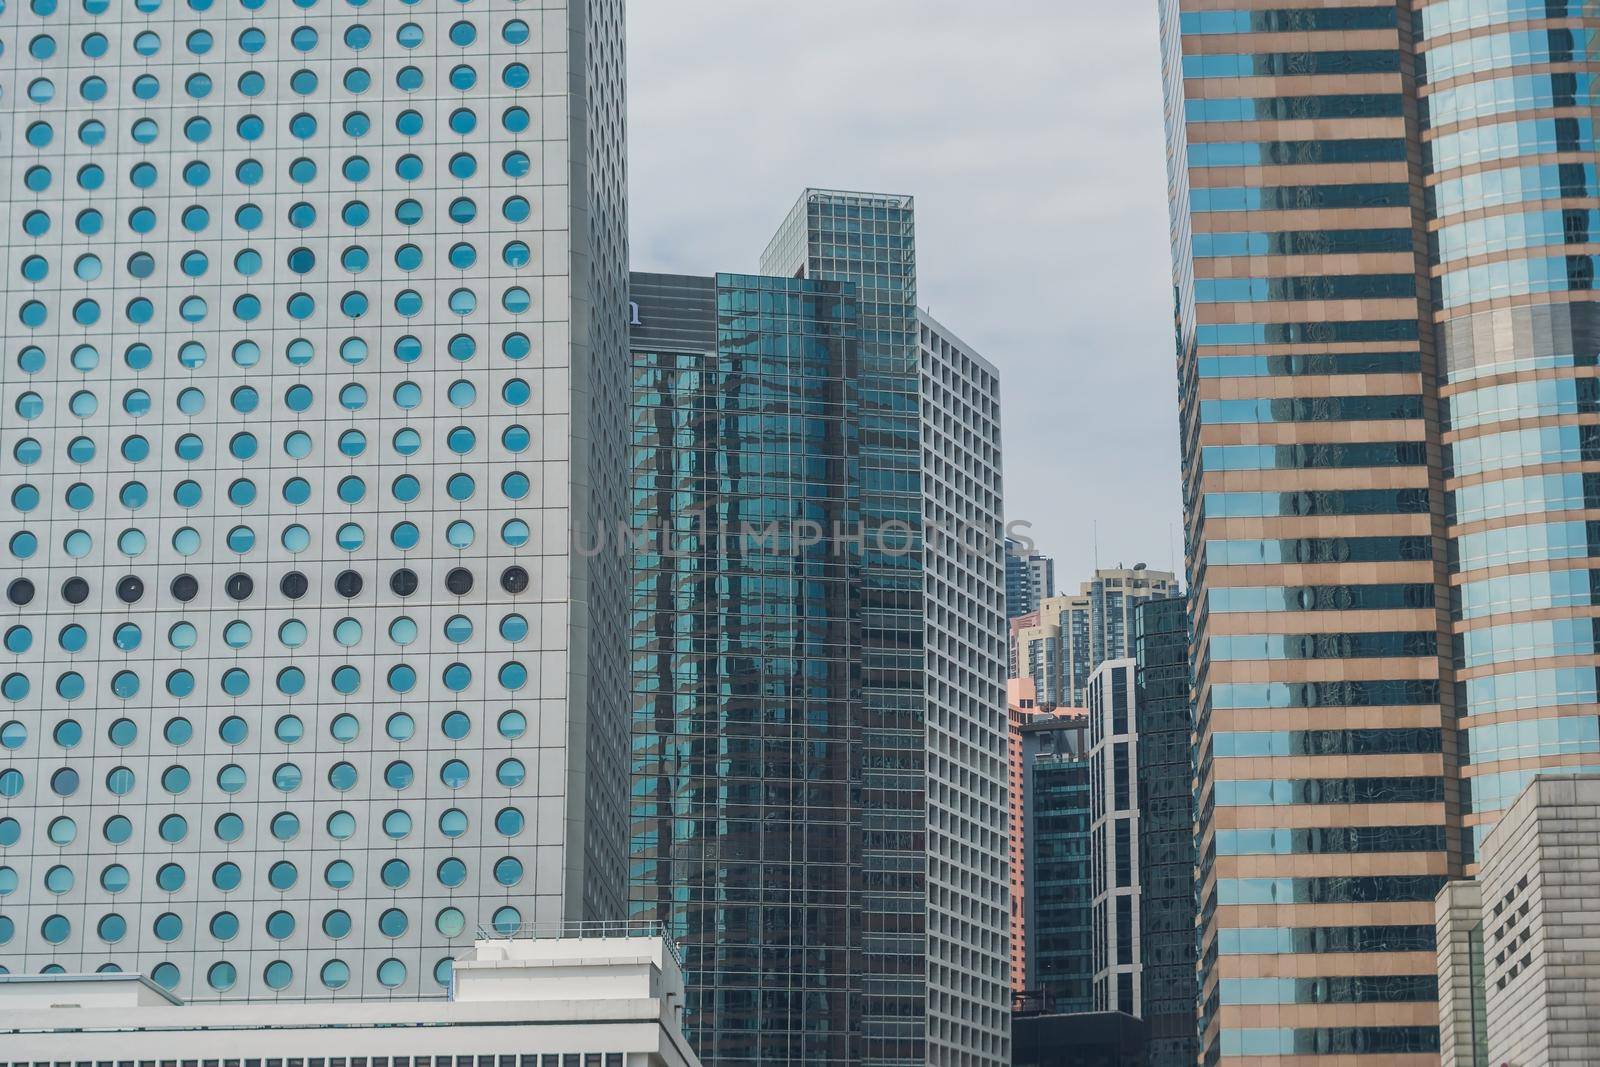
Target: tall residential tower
{"type": "Point", "coordinates": [313, 379]}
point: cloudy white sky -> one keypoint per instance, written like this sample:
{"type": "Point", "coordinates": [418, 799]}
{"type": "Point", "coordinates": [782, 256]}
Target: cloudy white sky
{"type": "Point", "coordinates": [1029, 132]}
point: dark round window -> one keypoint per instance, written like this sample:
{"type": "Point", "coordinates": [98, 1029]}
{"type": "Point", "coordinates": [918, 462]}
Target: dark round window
{"type": "Point", "coordinates": [514, 580]}
{"type": "Point", "coordinates": [403, 581]}
{"type": "Point", "coordinates": [459, 581]}
{"type": "Point", "coordinates": [348, 584]}
{"type": "Point", "coordinates": [184, 588]}
{"type": "Point", "coordinates": [240, 586]}
{"type": "Point", "coordinates": [294, 585]}
{"type": "Point", "coordinates": [20, 592]}
{"type": "Point", "coordinates": [130, 590]}
{"type": "Point", "coordinates": [75, 590]}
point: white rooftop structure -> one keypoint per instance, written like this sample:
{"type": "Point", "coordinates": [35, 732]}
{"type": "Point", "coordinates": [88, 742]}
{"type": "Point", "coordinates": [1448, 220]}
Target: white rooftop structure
{"type": "Point", "coordinates": [601, 1001]}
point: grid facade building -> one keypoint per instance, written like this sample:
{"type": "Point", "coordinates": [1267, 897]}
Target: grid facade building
{"type": "Point", "coordinates": [1114, 856]}
{"type": "Point", "coordinates": [870, 240]}
{"type": "Point", "coordinates": [1167, 862]}
{"type": "Point", "coordinates": [1075, 633]}
{"type": "Point", "coordinates": [313, 362]}
{"type": "Point", "coordinates": [747, 834]}
{"type": "Point", "coordinates": [969, 992]}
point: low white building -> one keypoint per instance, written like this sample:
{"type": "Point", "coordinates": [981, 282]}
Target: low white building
{"type": "Point", "coordinates": [525, 1002]}
{"type": "Point", "coordinates": [1519, 948]}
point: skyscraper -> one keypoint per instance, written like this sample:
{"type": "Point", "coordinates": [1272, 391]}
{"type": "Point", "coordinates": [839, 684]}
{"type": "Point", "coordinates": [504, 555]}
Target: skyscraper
{"type": "Point", "coordinates": [747, 833]}
{"type": "Point", "coordinates": [1114, 837]}
{"type": "Point", "coordinates": [963, 581]}
{"type": "Point", "coordinates": [1167, 861]}
{"type": "Point", "coordinates": [820, 761]}
{"type": "Point", "coordinates": [1030, 577]}
{"type": "Point", "coordinates": [1074, 634]}
{"type": "Point", "coordinates": [314, 371]}
{"type": "Point", "coordinates": [1051, 753]}
{"type": "Point", "coordinates": [1381, 224]}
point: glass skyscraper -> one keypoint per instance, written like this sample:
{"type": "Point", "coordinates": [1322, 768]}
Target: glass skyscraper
{"type": "Point", "coordinates": [820, 761]}
{"type": "Point", "coordinates": [1164, 782]}
{"type": "Point", "coordinates": [933, 651]}
{"type": "Point", "coordinates": [313, 381]}
{"type": "Point", "coordinates": [870, 241]}
{"type": "Point", "coordinates": [1055, 809]}
{"type": "Point", "coordinates": [747, 832]}
{"type": "Point", "coordinates": [1382, 223]}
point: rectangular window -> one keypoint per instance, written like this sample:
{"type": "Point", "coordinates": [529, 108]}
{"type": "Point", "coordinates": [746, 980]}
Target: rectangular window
{"type": "Point", "coordinates": [1121, 777]}
{"type": "Point", "coordinates": [1124, 853]}
{"type": "Point", "coordinates": [1125, 931]}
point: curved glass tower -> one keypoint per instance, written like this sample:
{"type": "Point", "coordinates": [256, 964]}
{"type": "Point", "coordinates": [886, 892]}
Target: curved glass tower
{"type": "Point", "coordinates": [1505, 108]}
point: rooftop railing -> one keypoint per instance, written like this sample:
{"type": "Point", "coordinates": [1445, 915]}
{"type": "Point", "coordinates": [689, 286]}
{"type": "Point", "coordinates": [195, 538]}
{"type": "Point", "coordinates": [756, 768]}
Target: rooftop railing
{"type": "Point", "coordinates": [532, 931]}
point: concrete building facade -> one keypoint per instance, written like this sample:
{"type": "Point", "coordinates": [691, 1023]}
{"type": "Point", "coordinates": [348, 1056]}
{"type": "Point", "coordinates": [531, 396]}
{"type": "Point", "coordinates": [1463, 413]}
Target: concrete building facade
{"type": "Point", "coordinates": [1519, 972]}
{"type": "Point", "coordinates": [314, 374]}
{"type": "Point", "coordinates": [963, 576]}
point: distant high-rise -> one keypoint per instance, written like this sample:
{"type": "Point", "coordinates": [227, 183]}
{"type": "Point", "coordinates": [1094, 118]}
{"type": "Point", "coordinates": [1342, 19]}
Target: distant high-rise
{"type": "Point", "coordinates": [1030, 577]}
{"type": "Point", "coordinates": [1051, 947]}
{"type": "Point", "coordinates": [1074, 634]}
{"type": "Point", "coordinates": [1114, 837]}
{"type": "Point", "coordinates": [1163, 720]}
{"type": "Point", "coordinates": [314, 365]}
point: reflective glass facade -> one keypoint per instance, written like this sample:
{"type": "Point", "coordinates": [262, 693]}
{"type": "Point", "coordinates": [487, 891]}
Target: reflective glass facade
{"type": "Point", "coordinates": [1510, 248]}
{"type": "Point", "coordinates": [311, 364]}
{"type": "Point", "coordinates": [747, 829]}
{"type": "Point", "coordinates": [1056, 814]}
{"type": "Point", "coordinates": [820, 768]}
{"type": "Point", "coordinates": [870, 241]}
{"type": "Point", "coordinates": [1167, 860]}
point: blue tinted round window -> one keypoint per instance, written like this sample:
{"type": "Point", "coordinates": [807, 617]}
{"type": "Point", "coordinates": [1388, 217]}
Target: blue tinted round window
{"type": "Point", "coordinates": [226, 876]}
{"type": "Point", "coordinates": [277, 974]}
{"type": "Point", "coordinates": [224, 926]}
{"type": "Point", "coordinates": [339, 874]}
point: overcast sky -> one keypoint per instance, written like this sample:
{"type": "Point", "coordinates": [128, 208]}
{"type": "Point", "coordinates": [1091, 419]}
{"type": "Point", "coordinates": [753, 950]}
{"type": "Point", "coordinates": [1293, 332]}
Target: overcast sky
{"type": "Point", "coordinates": [1029, 132]}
